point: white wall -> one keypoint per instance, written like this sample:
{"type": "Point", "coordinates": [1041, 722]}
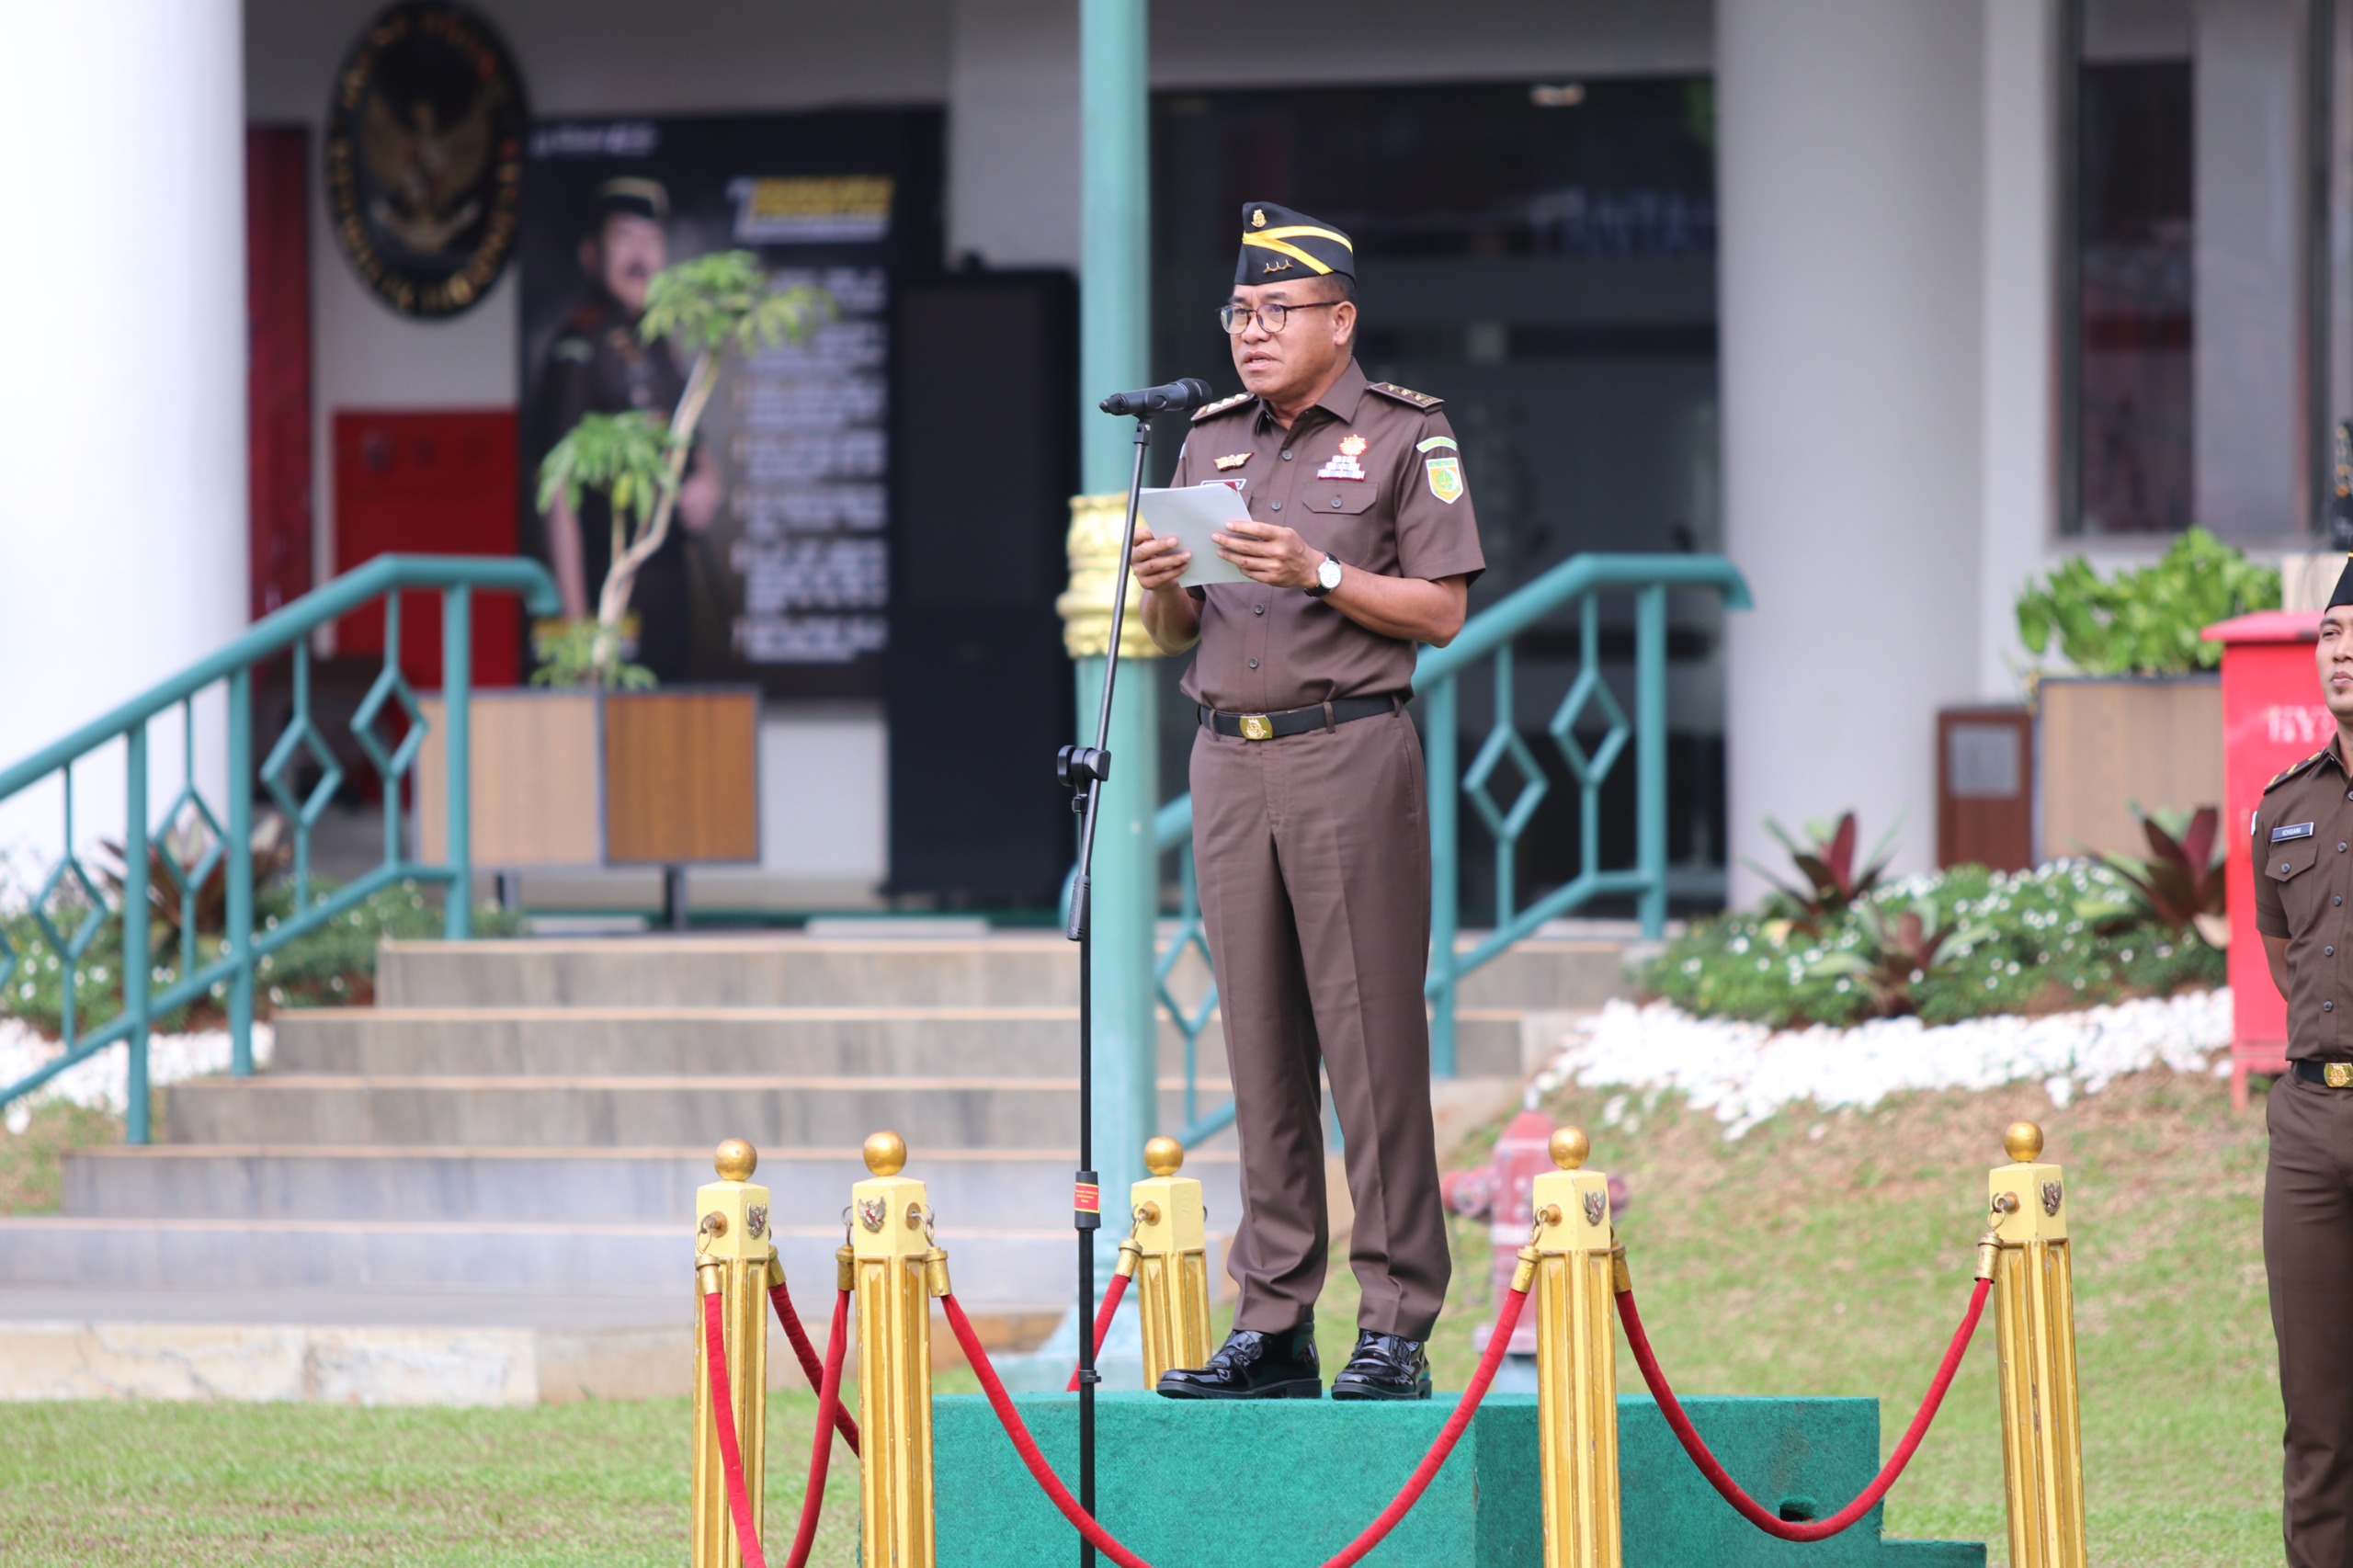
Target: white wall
{"type": "Point", "coordinates": [2248, 274]}
{"type": "Point", "coordinates": [2017, 365]}
{"type": "Point", "coordinates": [1851, 179]}
{"type": "Point", "coordinates": [123, 430]}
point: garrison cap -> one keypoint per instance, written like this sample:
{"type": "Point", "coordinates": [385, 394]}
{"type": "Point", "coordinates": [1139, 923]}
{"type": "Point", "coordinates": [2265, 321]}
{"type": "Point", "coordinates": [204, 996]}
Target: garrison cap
{"type": "Point", "coordinates": [1280, 245]}
{"type": "Point", "coordinates": [631, 194]}
{"type": "Point", "coordinates": [2344, 594]}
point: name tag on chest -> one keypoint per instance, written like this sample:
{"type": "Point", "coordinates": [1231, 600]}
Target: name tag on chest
{"type": "Point", "coordinates": [2293, 830]}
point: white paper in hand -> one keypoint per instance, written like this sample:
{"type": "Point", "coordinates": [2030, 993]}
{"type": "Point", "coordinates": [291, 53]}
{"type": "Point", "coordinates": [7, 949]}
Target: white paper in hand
{"type": "Point", "coordinates": [1189, 516]}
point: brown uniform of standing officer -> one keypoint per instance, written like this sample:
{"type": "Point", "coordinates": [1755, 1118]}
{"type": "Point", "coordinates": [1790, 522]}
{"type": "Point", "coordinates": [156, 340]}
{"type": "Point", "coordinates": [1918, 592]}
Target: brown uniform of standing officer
{"type": "Point", "coordinates": [1309, 833]}
{"type": "Point", "coordinates": [2303, 878]}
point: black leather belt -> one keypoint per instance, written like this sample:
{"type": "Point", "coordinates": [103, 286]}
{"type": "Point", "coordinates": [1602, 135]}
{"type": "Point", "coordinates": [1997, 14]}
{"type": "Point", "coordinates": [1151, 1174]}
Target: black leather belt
{"type": "Point", "coordinates": [2333, 1074]}
{"type": "Point", "coordinates": [1295, 721]}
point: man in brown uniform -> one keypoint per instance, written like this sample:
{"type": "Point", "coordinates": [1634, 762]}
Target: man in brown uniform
{"type": "Point", "coordinates": [1308, 827]}
{"type": "Point", "coordinates": [2303, 874]}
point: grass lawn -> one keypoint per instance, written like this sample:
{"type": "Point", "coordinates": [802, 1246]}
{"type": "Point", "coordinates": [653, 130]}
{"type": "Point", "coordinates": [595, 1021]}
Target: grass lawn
{"type": "Point", "coordinates": [1819, 1254]}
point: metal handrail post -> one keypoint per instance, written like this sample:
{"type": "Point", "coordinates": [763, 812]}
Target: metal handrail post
{"type": "Point", "coordinates": [134, 931]}
{"type": "Point", "coordinates": [1440, 746]}
{"type": "Point", "coordinates": [457, 690]}
{"type": "Point", "coordinates": [240, 871]}
{"type": "Point", "coordinates": [1650, 754]}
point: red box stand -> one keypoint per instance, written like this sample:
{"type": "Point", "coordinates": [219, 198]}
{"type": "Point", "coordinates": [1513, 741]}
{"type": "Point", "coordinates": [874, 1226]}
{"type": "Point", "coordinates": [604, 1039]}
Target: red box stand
{"type": "Point", "coordinates": [2272, 717]}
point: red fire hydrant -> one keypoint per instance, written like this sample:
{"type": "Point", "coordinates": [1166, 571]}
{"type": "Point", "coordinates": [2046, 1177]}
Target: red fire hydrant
{"type": "Point", "coordinates": [1502, 1193]}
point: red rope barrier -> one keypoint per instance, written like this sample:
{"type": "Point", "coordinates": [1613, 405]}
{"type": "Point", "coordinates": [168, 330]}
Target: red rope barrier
{"type": "Point", "coordinates": [1103, 1315]}
{"type": "Point", "coordinates": [1718, 1477]}
{"type": "Point", "coordinates": [821, 1451]}
{"type": "Point", "coordinates": [1103, 1540]}
{"type": "Point", "coordinates": [723, 1412]}
{"type": "Point", "coordinates": [806, 1354]}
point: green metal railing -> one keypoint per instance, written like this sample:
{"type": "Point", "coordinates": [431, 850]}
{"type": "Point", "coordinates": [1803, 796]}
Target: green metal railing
{"type": "Point", "coordinates": [237, 954]}
{"type": "Point", "coordinates": [1438, 673]}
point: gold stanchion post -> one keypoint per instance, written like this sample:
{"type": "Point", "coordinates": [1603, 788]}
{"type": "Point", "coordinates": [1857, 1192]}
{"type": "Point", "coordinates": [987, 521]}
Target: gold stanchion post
{"type": "Point", "coordinates": [2042, 1459]}
{"type": "Point", "coordinates": [898, 1271]}
{"type": "Point", "coordinates": [1574, 1260]}
{"type": "Point", "coordinates": [731, 1252]}
{"type": "Point", "coordinates": [1169, 1257]}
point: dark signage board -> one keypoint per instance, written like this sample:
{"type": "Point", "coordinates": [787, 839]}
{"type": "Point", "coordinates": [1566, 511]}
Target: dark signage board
{"type": "Point", "coordinates": [780, 573]}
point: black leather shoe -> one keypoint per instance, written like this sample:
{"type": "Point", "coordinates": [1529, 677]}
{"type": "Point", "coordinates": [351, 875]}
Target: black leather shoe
{"type": "Point", "coordinates": [1384, 1367]}
{"type": "Point", "coordinates": [1251, 1365]}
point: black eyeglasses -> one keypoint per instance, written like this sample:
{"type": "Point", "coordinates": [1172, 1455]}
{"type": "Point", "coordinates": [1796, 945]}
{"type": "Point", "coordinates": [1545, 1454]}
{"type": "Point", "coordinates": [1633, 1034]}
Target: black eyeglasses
{"type": "Point", "coordinates": [1271, 315]}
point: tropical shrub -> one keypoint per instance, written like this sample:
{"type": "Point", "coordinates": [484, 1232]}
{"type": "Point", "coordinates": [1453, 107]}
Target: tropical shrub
{"type": "Point", "coordinates": [1826, 865]}
{"type": "Point", "coordinates": [2145, 622]}
{"type": "Point", "coordinates": [2008, 942]}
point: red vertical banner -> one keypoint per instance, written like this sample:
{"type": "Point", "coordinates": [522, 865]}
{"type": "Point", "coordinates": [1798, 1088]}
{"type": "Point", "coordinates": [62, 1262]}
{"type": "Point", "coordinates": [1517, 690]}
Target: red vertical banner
{"type": "Point", "coordinates": [440, 483]}
{"type": "Point", "coordinates": [277, 377]}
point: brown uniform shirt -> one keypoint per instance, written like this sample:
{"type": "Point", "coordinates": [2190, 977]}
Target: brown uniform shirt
{"type": "Point", "coordinates": [1371, 475]}
{"type": "Point", "coordinates": [2304, 877]}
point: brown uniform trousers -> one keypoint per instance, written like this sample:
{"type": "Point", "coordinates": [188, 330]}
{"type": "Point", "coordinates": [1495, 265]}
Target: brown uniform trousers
{"type": "Point", "coordinates": [2308, 1253]}
{"type": "Point", "coordinates": [2301, 847]}
{"type": "Point", "coordinates": [1314, 867]}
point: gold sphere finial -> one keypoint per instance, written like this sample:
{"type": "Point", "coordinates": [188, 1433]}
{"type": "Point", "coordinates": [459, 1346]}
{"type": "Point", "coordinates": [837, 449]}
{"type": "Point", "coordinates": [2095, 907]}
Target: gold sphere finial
{"type": "Point", "coordinates": [2023, 1140]}
{"type": "Point", "coordinates": [737, 1160]}
{"type": "Point", "coordinates": [1164, 1157]}
{"type": "Point", "coordinates": [886, 1154]}
{"type": "Point", "coordinates": [1570, 1148]}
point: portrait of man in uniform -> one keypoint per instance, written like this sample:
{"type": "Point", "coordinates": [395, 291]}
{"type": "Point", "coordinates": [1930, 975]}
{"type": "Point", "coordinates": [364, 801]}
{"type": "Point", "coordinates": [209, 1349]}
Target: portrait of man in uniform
{"type": "Point", "coordinates": [599, 364]}
{"type": "Point", "coordinates": [1309, 827]}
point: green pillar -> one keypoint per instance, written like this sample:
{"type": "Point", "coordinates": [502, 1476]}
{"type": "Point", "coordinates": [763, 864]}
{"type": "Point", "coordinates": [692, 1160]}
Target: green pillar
{"type": "Point", "coordinates": [1115, 299]}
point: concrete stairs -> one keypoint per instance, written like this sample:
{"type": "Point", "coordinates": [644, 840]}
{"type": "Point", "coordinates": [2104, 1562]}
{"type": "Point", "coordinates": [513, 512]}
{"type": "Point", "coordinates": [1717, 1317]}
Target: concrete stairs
{"type": "Point", "coordinates": [493, 1170]}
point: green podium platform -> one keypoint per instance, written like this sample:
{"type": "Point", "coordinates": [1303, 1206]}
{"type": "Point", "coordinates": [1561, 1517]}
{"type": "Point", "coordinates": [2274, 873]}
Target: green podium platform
{"type": "Point", "coordinates": [1286, 1484]}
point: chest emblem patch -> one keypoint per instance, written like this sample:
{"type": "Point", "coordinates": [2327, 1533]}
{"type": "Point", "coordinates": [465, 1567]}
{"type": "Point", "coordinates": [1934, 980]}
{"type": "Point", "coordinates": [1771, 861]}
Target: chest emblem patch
{"type": "Point", "coordinates": [2293, 830]}
{"type": "Point", "coordinates": [1345, 466]}
{"type": "Point", "coordinates": [1234, 484]}
{"type": "Point", "coordinates": [1232, 459]}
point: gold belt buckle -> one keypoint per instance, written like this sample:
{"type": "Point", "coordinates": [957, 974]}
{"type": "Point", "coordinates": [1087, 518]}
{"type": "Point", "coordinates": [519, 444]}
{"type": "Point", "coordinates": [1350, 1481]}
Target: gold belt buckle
{"type": "Point", "coordinates": [1257, 727]}
{"type": "Point", "coordinates": [2337, 1074]}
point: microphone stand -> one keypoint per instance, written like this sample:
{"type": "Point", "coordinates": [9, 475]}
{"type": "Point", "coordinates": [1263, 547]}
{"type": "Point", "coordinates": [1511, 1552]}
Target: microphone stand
{"type": "Point", "coordinates": [1084, 768]}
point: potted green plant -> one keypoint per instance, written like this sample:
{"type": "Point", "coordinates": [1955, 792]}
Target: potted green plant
{"type": "Point", "coordinates": [2136, 724]}
{"type": "Point", "coordinates": [595, 765]}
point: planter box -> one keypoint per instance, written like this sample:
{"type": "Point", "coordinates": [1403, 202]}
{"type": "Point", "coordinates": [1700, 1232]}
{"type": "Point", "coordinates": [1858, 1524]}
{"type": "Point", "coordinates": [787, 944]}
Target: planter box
{"type": "Point", "coordinates": [572, 779]}
{"type": "Point", "coordinates": [2104, 745]}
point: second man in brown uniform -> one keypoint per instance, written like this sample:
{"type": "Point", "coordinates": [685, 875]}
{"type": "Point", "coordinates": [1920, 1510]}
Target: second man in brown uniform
{"type": "Point", "coordinates": [1308, 832]}
{"type": "Point", "coordinates": [2303, 907]}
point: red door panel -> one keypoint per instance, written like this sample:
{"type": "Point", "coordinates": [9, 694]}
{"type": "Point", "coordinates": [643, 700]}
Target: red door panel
{"type": "Point", "coordinates": [428, 484]}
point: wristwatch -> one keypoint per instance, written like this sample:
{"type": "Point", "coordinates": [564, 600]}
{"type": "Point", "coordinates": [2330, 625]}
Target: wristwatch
{"type": "Point", "coordinates": [1327, 577]}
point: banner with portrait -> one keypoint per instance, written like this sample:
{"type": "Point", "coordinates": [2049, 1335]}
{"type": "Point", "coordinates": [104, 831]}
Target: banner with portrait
{"type": "Point", "coordinates": [778, 569]}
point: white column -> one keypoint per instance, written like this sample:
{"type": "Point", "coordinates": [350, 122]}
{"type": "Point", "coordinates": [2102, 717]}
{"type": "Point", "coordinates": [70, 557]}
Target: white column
{"type": "Point", "coordinates": [2247, 273]}
{"type": "Point", "coordinates": [2023, 59]}
{"type": "Point", "coordinates": [1849, 179]}
{"type": "Point", "coordinates": [122, 418]}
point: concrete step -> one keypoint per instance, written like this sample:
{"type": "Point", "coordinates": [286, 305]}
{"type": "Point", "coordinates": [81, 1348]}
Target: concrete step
{"type": "Point", "coordinates": [602, 1185]}
{"type": "Point", "coordinates": [783, 970]}
{"type": "Point", "coordinates": [681, 1042]}
{"type": "Point", "coordinates": [1004, 1267]}
{"type": "Point", "coordinates": [774, 1113]}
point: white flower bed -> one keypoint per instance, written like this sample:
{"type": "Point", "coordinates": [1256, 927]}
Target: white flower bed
{"type": "Point", "coordinates": [1743, 1073]}
{"type": "Point", "coordinates": [101, 1080]}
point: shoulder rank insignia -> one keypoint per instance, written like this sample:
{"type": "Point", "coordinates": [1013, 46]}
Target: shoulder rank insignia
{"type": "Point", "coordinates": [2293, 769]}
{"type": "Point", "coordinates": [1406, 395]}
{"type": "Point", "coordinates": [1220, 405]}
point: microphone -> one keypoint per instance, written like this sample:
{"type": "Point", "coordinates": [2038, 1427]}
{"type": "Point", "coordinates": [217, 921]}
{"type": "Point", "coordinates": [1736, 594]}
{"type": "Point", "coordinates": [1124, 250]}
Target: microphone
{"type": "Point", "coordinates": [1175, 398]}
